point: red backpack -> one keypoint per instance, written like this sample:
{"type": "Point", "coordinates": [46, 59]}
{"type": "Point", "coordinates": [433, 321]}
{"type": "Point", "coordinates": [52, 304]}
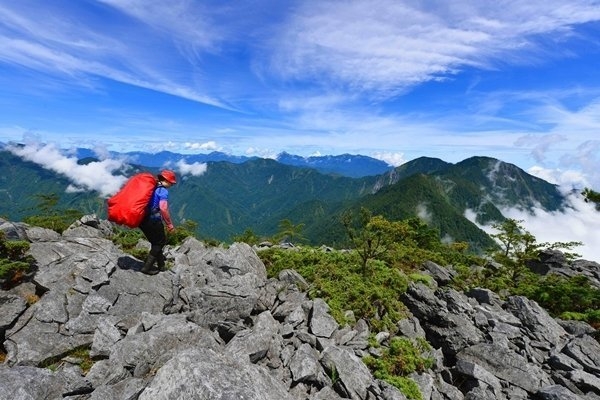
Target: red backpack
{"type": "Point", "coordinates": [129, 206]}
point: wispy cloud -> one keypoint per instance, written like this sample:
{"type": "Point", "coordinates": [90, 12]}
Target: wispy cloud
{"type": "Point", "coordinates": [96, 176]}
{"type": "Point", "coordinates": [103, 176]}
{"type": "Point", "coordinates": [210, 145]}
{"type": "Point", "coordinates": [377, 48]}
{"type": "Point", "coordinates": [384, 47]}
{"type": "Point", "coordinates": [578, 223]}
{"type": "Point", "coordinates": [195, 169]}
{"type": "Point", "coordinates": [60, 45]}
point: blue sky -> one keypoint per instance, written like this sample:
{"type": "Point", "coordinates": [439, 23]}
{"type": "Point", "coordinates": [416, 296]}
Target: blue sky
{"type": "Point", "coordinates": [392, 79]}
{"type": "Point", "coordinates": [395, 79]}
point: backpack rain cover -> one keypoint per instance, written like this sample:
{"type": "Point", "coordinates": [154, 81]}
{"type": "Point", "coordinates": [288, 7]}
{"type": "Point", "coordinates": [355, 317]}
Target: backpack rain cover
{"type": "Point", "coordinates": [130, 204]}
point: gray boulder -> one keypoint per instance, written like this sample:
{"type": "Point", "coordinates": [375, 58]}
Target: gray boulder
{"type": "Point", "coordinates": [214, 326]}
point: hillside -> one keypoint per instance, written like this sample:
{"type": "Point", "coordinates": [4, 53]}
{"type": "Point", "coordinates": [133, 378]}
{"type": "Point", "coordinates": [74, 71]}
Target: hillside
{"type": "Point", "coordinates": [441, 193]}
{"type": "Point", "coordinates": [258, 194]}
{"type": "Point", "coordinates": [24, 184]}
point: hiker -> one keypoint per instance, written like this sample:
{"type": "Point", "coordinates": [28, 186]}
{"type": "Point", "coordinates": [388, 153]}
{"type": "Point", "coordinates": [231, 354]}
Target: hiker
{"type": "Point", "coordinates": [153, 224]}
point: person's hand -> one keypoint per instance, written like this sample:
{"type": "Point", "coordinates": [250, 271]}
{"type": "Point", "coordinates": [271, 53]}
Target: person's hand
{"type": "Point", "coordinates": [170, 228]}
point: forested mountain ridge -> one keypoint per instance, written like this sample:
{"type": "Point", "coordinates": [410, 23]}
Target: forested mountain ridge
{"type": "Point", "coordinates": [350, 165]}
{"type": "Point", "coordinates": [258, 194]}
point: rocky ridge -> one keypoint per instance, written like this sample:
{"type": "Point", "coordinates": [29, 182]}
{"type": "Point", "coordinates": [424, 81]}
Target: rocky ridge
{"type": "Point", "coordinates": [215, 327]}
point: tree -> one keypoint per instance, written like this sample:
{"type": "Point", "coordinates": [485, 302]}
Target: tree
{"type": "Point", "coordinates": [590, 195]}
{"type": "Point", "coordinates": [248, 237]}
{"type": "Point", "coordinates": [518, 246]}
{"type": "Point", "coordinates": [374, 237]}
{"type": "Point", "coordinates": [366, 237]}
{"type": "Point", "coordinates": [289, 231]}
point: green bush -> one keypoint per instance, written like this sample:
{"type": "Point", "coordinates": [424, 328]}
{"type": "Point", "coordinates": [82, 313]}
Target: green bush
{"type": "Point", "coordinates": [564, 297]}
{"type": "Point", "coordinates": [127, 239]}
{"type": "Point", "coordinates": [339, 279]}
{"type": "Point", "coordinates": [14, 262]}
{"type": "Point", "coordinates": [57, 220]}
{"type": "Point", "coordinates": [403, 357]}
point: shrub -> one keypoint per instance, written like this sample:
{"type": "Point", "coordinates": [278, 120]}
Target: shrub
{"type": "Point", "coordinates": [571, 298]}
{"type": "Point", "coordinates": [339, 279]}
{"type": "Point", "coordinates": [127, 239]}
{"type": "Point", "coordinates": [82, 353]}
{"type": "Point", "coordinates": [14, 263]}
{"type": "Point", "coordinates": [403, 357]}
{"type": "Point", "coordinates": [51, 217]}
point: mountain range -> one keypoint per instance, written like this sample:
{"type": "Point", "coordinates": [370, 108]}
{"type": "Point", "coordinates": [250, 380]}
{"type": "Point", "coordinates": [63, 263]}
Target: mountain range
{"type": "Point", "coordinates": [234, 195]}
{"type": "Point", "coordinates": [350, 165]}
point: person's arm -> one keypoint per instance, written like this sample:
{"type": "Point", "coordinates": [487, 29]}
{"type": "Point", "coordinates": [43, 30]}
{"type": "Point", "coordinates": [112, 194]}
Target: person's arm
{"type": "Point", "coordinates": [163, 206]}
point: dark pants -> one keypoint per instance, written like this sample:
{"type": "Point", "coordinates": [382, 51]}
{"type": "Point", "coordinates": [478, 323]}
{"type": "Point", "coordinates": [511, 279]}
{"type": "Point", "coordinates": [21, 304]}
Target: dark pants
{"type": "Point", "coordinates": [154, 230]}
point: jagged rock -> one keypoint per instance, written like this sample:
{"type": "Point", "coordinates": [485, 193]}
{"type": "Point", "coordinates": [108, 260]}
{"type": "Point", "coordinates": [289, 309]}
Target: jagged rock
{"type": "Point", "coordinates": [485, 296]}
{"type": "Point", "coordinates": [442, 276]}
{"type": "Point", "coordinates": [556, 392]}
{"type": "Point", "coordinates": [327, 393]}
{"type": "Point", "coordinates": [202, 373]}
{"type": "Point", "coordinates": [353, 377]}
{"type": "Point", "coordinates": [37, 234]}
{"type": "Point", "coordinates": [389, 392]}
{"type": "Point", "coordinates": [288, 302]}
{"type": "Point", "coordinates": [254, 343]}
{"type": "Point", "coordinates": [23, 383]}
{"type": "Point", "coordinates": [576, 328]}
{"type": "Point", "coordinates": [89, 226]}
{"type": "Point", "coordinates": [445, 316]}
{"type": "Point", "coordinates": [552, 261]}
{"type": "Point", "coordinates": [322, 324]}
{"type": "Point", "coordinates": [585, 381]}
{"type": "Point", "coordinates": [541, 326]}
{"type": "Point", "coordinates": [586, 352]}
{"type": "Point", "coordinates": [11, 307]}
{"type": "Point", "coordinates": [305, 366]}
{"type": "Point", "coordinates": [215, 327]}
{"type": "Point", "coordinates": [13, 230]}
{"type": "Point", "coordinates": [32, 340]}
{"type": "Point", "coordinates": [292, 277]}
{"type": "Point", "coordinates": [477, 372]}
{"type": "Point", "coordinates": [410, 327]}
{"type": "Point", "coordinates": [494, 362]}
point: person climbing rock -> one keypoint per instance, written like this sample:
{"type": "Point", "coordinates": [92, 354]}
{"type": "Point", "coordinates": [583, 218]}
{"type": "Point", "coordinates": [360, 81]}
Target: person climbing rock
{"type": "Point", "coordinates": [153, 225]}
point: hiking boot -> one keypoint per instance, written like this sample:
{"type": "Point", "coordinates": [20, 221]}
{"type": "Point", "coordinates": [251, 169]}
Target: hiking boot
{"type": "Point", "coordinates": [160, 262]}
{"type": "Point", "coordinates": [149, 268]}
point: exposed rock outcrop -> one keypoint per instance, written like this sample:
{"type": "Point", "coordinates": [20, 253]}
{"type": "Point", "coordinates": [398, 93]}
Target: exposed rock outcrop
{"type": "Point", "coordinates": [215, 327]}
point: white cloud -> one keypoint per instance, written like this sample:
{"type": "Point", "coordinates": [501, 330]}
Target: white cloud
{"type": "Point", "coordinates": [210, 145]}
{"type": "Point", "coordinates": [195, 169]}
{"type": "Point", "coordinates": [383, 47]}
{"type": "Point", "coordinates": [423, 212]}
{"type": "Point", "coordinates": [567, 180]}
{"type": "Point", "coordinates": [579, 222]}
{"type": "Point", "coordinates": [260, 152]}
{"type": "Point", "coordinates": [540, 144]}
{"type": "Point", "coordinates": [393, 159]}
{"type": "Point", "coordinates": [96, 176]}
{"type": "Point", "coordinates": [46, 44]}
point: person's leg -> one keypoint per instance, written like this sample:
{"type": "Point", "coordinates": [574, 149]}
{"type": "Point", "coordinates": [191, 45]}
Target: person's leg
{"type": "Point", "coordinates": [160, 261]}
{"type": "Point", "coordinates": [155, 233]}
